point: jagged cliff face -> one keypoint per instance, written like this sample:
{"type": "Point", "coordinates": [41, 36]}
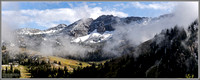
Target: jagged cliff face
{"type": "Point", "coordinates": [78, 28]}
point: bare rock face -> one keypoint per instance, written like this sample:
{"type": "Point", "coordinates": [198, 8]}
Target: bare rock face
{"type": "Point", "coordinates": [78, 28]}
{"type": "Point", "coordinates": [104, 22]}
{"type": "Point", "coordinates": [60, 26]}
{"type": "Point", "coordinates": [101, 28]}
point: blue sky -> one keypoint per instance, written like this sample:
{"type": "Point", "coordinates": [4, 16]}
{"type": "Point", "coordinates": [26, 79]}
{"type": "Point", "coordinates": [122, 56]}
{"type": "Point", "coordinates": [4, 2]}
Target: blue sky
{"type": "Point", "coordinates": [43, 15]}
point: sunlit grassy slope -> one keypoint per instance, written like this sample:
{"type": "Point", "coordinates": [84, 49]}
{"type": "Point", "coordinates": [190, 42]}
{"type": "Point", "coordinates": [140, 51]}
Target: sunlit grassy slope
{"type": "Point", "coordinates": [24, 72]}
{"type": "Point", "coordinates": [68, 62]}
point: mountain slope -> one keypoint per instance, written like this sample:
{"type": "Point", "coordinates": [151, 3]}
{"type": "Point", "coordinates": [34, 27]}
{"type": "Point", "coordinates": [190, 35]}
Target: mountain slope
{"type": "Point", "coordinates": [172, 53]}
{"type": "Point", "coordinates": [82, 33]}
{"type": "Point", "coordinates": [83, 38]}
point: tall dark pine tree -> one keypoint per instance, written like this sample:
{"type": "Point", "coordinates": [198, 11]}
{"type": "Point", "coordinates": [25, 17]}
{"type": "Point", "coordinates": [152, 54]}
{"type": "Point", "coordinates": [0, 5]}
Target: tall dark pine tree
{"type": "Point", "coordinates": [66, 74]}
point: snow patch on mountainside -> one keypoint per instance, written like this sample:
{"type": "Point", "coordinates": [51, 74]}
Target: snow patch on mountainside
{"type": "Point", "coordinates": [40, 32]}
{"type": "Point", "coordinates": [94, 37]}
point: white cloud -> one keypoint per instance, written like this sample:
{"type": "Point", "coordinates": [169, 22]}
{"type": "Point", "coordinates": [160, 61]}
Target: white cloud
{"type": "Point", "coordinates": [48, 17]}
{"type": "Point", "coordinates": [185, 12]}
{"type": "Point", "coordinates": [156, 6]}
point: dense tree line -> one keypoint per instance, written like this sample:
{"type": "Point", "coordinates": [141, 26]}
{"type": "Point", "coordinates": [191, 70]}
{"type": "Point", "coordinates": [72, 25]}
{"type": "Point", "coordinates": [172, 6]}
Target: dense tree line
{"type": "Point", "coordinates": [11, 73]}
{"type": "Point", "coordinates": [6, 57]}
{"type": "Point", "coordinates": [45, 70]}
